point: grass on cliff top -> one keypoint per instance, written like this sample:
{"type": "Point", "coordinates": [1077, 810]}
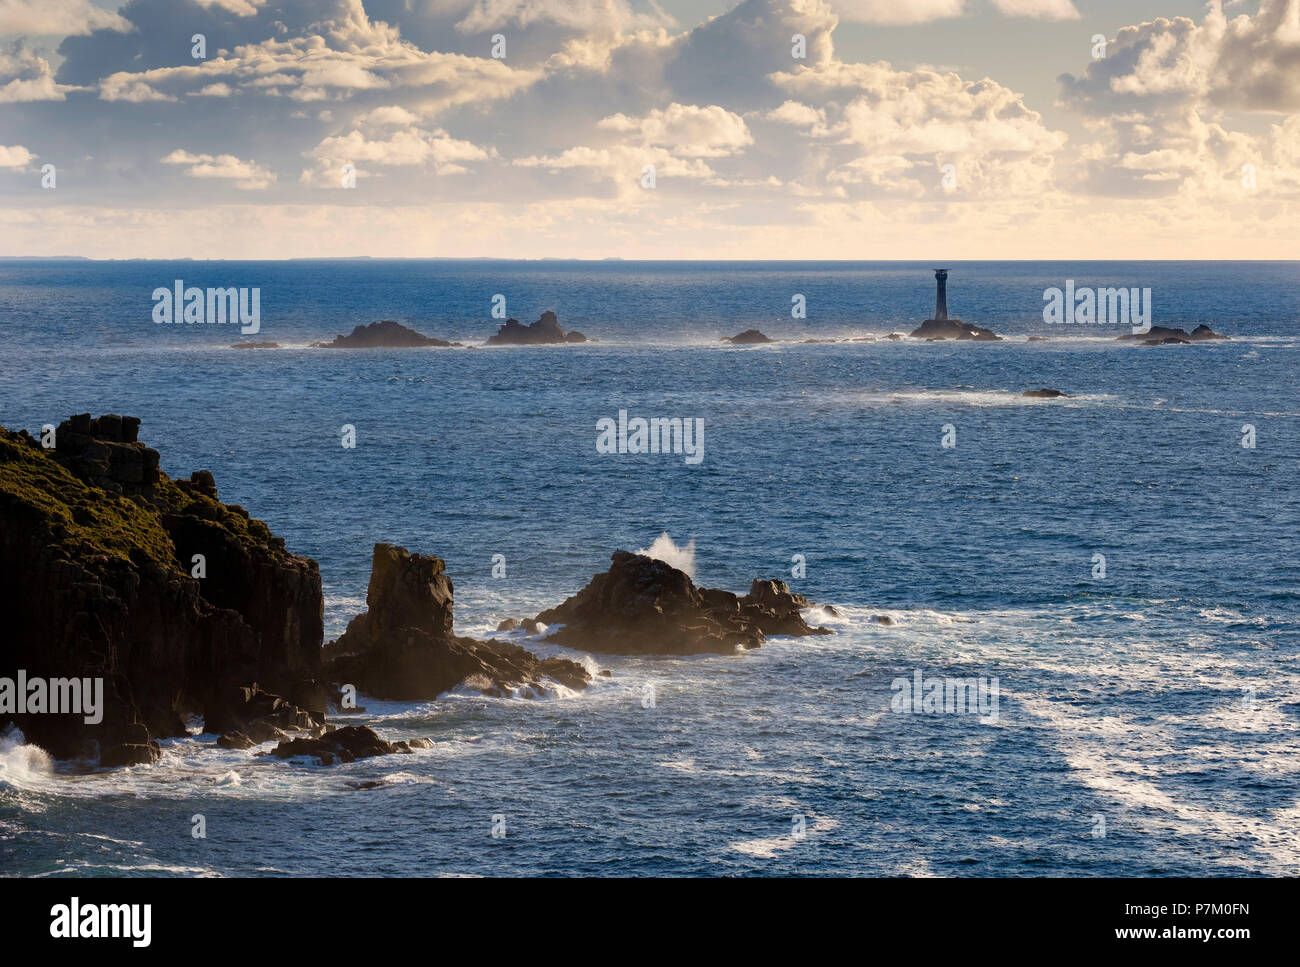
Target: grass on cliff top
{"type": "Point", "coordinates": [82, 520]}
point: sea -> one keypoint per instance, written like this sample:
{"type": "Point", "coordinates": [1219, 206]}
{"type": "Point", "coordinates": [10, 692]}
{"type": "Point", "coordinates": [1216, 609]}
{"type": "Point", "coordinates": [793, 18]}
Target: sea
{"type": "Point", "coordinates": [1117, 569]}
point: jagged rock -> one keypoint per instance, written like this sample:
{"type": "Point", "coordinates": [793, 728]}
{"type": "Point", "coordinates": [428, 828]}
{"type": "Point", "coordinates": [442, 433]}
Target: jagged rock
{"type": "Point", "coordinates": [643, 606]}
{"type": "Point", "coordinates": [404, 647]}
{"type": "Point", "coordinates": [385, 334]}
{"type": "Point", "coordinates": [96, 550]}
{"type": "Point", "coordinates": [748, 338]}
{"type": "Point", "coordinates": [544, 331]}
{"type": "Point", "coordinates": [1044, 394]}
{"type": "Point", "coordinates": [939, 329]}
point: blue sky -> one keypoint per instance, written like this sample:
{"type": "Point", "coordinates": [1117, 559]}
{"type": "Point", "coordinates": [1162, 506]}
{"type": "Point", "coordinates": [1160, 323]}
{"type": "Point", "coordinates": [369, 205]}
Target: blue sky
{"type": "Point", "coordinates": [907, 128]}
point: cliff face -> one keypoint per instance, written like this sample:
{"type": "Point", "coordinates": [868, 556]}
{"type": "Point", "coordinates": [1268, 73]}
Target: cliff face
{"type": "Point", "coordinates": [96, 550]}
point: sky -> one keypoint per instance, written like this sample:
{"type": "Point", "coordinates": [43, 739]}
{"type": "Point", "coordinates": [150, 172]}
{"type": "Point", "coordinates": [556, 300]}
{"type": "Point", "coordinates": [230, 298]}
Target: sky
{"type": "Point", "coordinates": [677, 129]}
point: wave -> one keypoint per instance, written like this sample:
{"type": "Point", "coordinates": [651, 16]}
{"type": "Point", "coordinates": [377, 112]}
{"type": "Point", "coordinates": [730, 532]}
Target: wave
{"type": "Point", "coordinates": [663, 549]}
{"type": "Point", "coordinates": [23, 766]}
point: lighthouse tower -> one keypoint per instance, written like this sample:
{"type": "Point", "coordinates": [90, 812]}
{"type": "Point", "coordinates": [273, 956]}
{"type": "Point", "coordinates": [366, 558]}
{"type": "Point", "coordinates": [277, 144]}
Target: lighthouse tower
{"type": "Point", "coordinates": [941, 295]}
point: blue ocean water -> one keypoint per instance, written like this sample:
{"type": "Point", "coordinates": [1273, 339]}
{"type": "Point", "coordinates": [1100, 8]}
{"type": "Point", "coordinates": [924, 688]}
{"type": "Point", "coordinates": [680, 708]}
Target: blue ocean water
{"type": "Point", "coordinates": [1149, 721]}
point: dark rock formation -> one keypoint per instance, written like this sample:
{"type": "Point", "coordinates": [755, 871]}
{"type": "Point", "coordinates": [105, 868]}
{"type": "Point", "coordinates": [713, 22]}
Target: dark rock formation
{"type": "Point", "coordinates": [939, 329]}
{"type": "Point", "coordinates": [339, 745]}
{"type": "Point", "coordinates": [97, 548]}
{"type": "Point", "coordinates": [544, 331]}
{"type": "Point", "coordinates": [386, 334]}
{"type": "Point", "coordinates": [1039, 339]}
{"type": "Point", "coordinates": [255, 345]}
{"type": "Point", "coordinates": [748, 338]}
{"type": "Point", "coordinates": [404, 647]}
{"type": "Point", "coordinates": [1044, 394]}
{"type": "Point", "coordinates": [643, 606]}
{"type": "Point", "coordinates": [1168, 336]}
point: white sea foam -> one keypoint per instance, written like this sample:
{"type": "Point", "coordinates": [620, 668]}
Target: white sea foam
{"type": "Point", "coordinates": [23, 766]}
{"type": "Point", "coordinates": [768, 847]}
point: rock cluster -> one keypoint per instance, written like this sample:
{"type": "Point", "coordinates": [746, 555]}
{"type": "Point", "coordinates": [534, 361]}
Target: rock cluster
{"type": "Point", "coordinates": [644, 606]}
{"type": "Point", "coordinates": [347, 744]}
{"type": "Point", "coordinates": [544, 331]}
{"type": "Point", "coordinates": [404, 647]}
{"type": "Point", "coordinates": [1167, 336]}
{"type": "Point", "coordinates": [385, 334]}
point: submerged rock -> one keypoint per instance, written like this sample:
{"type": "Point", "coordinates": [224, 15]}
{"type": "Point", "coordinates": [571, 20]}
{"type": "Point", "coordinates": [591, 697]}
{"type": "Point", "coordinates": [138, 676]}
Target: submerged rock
{"type": "Point", "coordinates": [1044, 394]}
{"type": "Point", "coordinates": [97, 551]}
{"type": "Point", "coordinates": [385, 334]}
{"type": "Point", "coordinates": [643, 606]}
{"type": "Point", "coordinates": [939, 329]}
{"type": "Point", "coordinates": [404, 646]}
{"type": "Point", "coordinates": [254, 345]}
{"type": "Point", "coordinates": [748, 338]}
{"type": "Point", "coordinates": [545, 331]}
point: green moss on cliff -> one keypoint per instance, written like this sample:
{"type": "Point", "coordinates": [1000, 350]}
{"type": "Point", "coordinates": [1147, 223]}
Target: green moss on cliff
{"type": "Point", "coordinates": [83, 521]}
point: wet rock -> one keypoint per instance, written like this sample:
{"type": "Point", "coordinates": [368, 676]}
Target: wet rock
{"type": "Point", "coordinates": [1044, 394]}
{"type": "Point", "coordinates": [749, 337]}
{"type": "Point", "coordinates": [255, 345]}
{"type": "Point", "coordinates": [404, 646]}
{"type": "Point", "coordinates": [235, 740]}
{"type": "Point", "coordinates": [347, 744]}
{"type": "Point", "coordinates": [644, 606]}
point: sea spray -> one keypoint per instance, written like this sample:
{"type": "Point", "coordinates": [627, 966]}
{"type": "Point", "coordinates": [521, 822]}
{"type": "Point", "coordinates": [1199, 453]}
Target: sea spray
{"type": "Point", "coordinates": [663, 549]}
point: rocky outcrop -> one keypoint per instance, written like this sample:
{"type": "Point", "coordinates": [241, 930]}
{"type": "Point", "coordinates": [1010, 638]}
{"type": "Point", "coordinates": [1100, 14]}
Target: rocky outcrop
{"type": "Point", "coordinates": [111, 570]}
{"type": "Point", "coordinates": [643, 606]}
{"type": "Point", "coordinates": [342, 745]}
{"type": "Point", "coordinates": [386, 334]}
{"type": "Point", "coordinates": [545, 331]}
{"type": "Point", "coordinates": [1169, 336]}
{"type": "Point", "coordinates": [1044, 394]}
{"type": "Point", "coordinates": [403, 647]}
{"type": "Point", "coordinates": [939, 329]}
{"type": "Point", "coordinates": [750, 337]}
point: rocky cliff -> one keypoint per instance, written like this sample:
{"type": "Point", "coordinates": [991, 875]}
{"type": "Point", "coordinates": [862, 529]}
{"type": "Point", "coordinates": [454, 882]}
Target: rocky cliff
{"type": "Point", "coordinates": [97, 549]}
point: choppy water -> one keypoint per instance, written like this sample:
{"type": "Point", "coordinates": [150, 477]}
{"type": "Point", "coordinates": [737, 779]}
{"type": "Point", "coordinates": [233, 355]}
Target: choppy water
{"type": "Point", "coordinates": [1163, 699]}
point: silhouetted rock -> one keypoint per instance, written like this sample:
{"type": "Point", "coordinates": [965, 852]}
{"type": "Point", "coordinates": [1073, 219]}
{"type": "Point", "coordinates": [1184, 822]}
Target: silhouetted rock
{"type": "Point", "coordinates": [544, 331]}
{"type": "Point", "coordinates": [404, 647]}
{"type": "Point", "coordinates": [254, 345]}
{"type": "Point", "coordinates": [97, 548]}
{"type": "Point", "coordinates": [386, 334]}
{"type": "Point", "coordinates": [748, 338]}
{"type": "Point", "coordinates": [1044, 394]}
{"type": "Point", "coordinates": [643, 606]}
{"type": "Point", "coordinates": [1039, 339]}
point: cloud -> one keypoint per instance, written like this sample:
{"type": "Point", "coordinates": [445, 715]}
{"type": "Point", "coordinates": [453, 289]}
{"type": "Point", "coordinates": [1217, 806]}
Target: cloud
{"type": "Point", "coordinates": [684, 129]}
{"type": "Point", "coordinates": [245, 174]}
{"type": "Point", "coordinates": [26, 76]}
{"type": "Point", "coordinates": [899, 11]}
{"type": "Point", "coordinates": [56, 18]}
{"type": "Point", "coordinates": [1038, 9]}
{"type": "Point", "coordinates": [15, 156]}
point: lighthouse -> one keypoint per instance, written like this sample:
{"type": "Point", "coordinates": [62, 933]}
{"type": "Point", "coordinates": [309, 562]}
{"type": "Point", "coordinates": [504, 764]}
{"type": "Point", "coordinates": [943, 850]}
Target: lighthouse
{"type": "Point", "coordinates": [941, 295]}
